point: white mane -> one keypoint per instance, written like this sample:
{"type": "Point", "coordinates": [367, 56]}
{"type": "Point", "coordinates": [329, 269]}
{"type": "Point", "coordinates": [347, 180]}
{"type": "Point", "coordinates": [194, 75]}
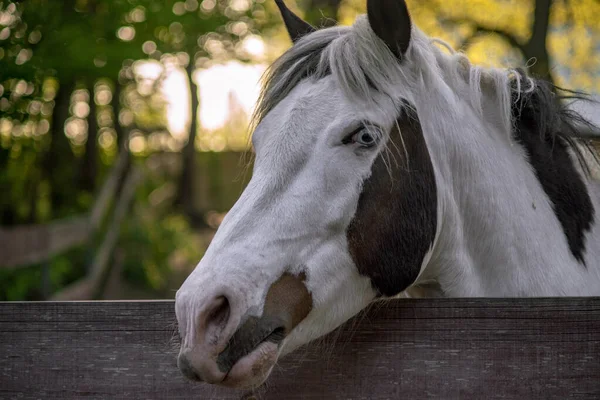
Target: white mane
{"type": "Point", "coordinates": [361, 63]}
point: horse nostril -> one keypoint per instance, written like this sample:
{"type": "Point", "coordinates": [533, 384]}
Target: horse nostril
{"type": "Point", "coordinates": [205, 336]}
{"type": "Point", "coordinates": [186, 368]}
{"type": "Point", "coordinates": [218, 312]}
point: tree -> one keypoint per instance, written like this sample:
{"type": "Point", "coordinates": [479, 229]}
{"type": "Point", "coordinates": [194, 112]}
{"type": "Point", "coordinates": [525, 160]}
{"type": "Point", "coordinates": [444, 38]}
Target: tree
{"type": "Point", "coordinates": [533, 48]}
{"type": "Point", "coordinates": [44, 34]}
{"type": "Point", "coordinates": [556, 40]}
{"type": "Point", "coordinates": [200, 34]}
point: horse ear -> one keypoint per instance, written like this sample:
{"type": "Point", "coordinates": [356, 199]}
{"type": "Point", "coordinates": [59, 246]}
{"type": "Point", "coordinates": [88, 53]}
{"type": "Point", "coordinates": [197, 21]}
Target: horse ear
{"type": "Point", "coordinates": [296, 27]}
{"type": "Point", "coordinates": [390, 20]}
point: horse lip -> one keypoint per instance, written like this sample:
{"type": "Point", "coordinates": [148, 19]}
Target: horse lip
{"type": "Point", "coordinates": [287, 303]}
{"type": "Point", "coordinates": [253, 369]}
{"type": "Point", "coordinates": [276, 336]}
{"type": "Point", "coordinates": [248, 337]}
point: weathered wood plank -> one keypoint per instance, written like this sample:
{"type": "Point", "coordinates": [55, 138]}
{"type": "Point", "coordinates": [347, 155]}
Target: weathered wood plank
{"type": "Point", "coordinates": [29, 244]}
{"type": "Point", "coordinates": [435, 349]}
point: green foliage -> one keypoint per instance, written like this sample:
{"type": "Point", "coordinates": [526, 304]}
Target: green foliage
{"type": "Point", "coordinates": [157, 240]}
{"type": "Point", "coordinates": [67, 39]}
{"type": "Point", "coordinates": [155, 246]}
{"type": "Point", "coordinates": [27, 283]}
{"type": "Point", "coordinates": [56, 58]}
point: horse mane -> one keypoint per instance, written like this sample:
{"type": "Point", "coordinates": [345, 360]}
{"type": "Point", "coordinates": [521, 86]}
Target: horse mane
{"type": "Point", "coordinates": [361, 63]}
{"type": "Point", "coordinates": [547, 109]}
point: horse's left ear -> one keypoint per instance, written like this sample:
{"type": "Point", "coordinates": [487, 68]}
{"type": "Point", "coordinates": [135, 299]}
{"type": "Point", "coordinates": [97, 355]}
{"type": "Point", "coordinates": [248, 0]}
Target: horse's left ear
{"type": "Point", "coordinates": [295, 25]}
{"type": "Point", "coordinates": [390, 20]}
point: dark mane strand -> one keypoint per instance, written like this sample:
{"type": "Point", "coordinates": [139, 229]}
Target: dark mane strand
{"type": "Point", "coordinates": [547, 107]}
{"type": "Point", "coordinates": [548, 130]}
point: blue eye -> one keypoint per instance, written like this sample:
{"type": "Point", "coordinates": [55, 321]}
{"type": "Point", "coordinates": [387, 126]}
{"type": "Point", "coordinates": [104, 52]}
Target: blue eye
{"type": "Point", "coordinates": [364, 138]}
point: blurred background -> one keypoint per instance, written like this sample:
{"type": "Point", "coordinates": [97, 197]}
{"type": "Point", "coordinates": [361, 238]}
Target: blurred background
{"type": "Point", "coordinates": [124, 123]}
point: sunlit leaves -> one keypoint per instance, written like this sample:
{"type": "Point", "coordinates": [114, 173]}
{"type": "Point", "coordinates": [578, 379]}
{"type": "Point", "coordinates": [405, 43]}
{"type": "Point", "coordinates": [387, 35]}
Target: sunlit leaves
{"type": "Point", "coordinates": [575, 43]}
{"type": "Point", "coordinates": [208, 6]}
{"type": "Point", "coordinates": [138, 14]}
{"type": "Point", "coordinates": [126, 33]}
{"type": "Point", "coordinates": [149, 47]}
{"type": "Point", "coordinates": [103, 95]}
{"type": "Point", "coordinates": [179, 8]}
{"type": "Point", "coordinates": [573, 39]}
{"type": "Point", "coordinates": [5, 33]}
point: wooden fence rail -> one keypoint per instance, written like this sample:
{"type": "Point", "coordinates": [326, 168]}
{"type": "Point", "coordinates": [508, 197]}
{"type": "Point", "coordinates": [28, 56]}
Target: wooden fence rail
{"type": "Point", "coordinates": [406, 349]}
{"type": "Point", "coordinates": [91, 286]}
{"type": "Point", "coordinates": [21, 246]}
{"type": "Point", "coordinates": [30, 244]}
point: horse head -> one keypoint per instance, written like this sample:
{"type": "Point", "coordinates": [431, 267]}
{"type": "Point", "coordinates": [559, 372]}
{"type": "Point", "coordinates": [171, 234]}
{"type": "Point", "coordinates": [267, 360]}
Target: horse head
{"type": "Point", "coordinates": [360, 133]}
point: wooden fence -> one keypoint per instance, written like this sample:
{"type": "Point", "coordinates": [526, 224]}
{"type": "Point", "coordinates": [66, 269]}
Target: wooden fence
{"type": "Point", "coordinates": [31, 244]}
{"type": "Point", "coordinates": [22, 246]}
{"type": "Point", "coordinates": [447, 349]}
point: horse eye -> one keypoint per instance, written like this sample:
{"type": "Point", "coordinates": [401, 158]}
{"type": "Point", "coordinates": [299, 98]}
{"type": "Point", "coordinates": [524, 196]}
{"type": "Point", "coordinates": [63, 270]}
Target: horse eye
{"type": "Point", "coordinates": [363, 136]}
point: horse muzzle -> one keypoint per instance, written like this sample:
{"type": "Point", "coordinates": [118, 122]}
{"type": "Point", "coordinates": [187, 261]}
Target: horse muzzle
{"type": "Point", "coordinates": [228, 348]}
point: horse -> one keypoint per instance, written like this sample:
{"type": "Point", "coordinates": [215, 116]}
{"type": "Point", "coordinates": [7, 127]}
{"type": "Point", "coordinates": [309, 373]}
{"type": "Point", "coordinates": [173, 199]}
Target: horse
{"type": "Point", "coordinates": [387, 165]}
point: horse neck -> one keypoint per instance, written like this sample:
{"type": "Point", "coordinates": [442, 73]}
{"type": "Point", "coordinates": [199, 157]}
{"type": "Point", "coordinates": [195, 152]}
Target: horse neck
{"type": "Point", "coordinates": [498, 234]}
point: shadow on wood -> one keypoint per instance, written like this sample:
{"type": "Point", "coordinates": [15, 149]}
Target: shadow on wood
{"type": "Point", "coordinates": [413, 349]}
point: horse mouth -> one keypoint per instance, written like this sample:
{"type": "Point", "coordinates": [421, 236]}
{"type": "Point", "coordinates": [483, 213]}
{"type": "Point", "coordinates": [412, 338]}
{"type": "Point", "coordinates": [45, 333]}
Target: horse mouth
{"type": "Point", "coordinates": [251, 352]}
{"type": "Point", "coordinates": [245, 358]}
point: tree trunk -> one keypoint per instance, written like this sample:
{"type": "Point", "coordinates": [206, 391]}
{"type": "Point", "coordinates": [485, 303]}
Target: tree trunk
{"type": "Point", "coordinates": [59, 162]}
{"type": "Point", "coordinates": [7, 214]}
{"type": "Point", "coordinates": [33, 197]}
{"type": "Point", "coordinates": [534, 50]}
{"type": "Point", "coordinates": [89, 167]}
{"type": "Point", "coordinates": [116, 105]}
{"type": "Point", "coordinates": [536, 46]}
{"type": "Point", "coordinates": [184, 196]}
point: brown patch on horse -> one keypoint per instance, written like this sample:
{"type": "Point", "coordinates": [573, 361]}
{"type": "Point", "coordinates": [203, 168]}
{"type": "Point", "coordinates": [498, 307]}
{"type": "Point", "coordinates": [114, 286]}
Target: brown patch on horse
{"type": "Point", "coordinates": [395, 222]}
{"type": "Point", "coordinates": [289, 299]}
{"type": "Point", "coordinates": [287, 303]}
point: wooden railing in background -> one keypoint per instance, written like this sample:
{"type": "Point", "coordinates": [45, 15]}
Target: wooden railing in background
{"type": "Point", "coordinates": [446, 349]}
{"type": "Point", "coordinates": [22, 246]}
{"type": "Point", "coordinates": [32, 244]}
{"type": "Point", "coordinates": [90, 287]}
